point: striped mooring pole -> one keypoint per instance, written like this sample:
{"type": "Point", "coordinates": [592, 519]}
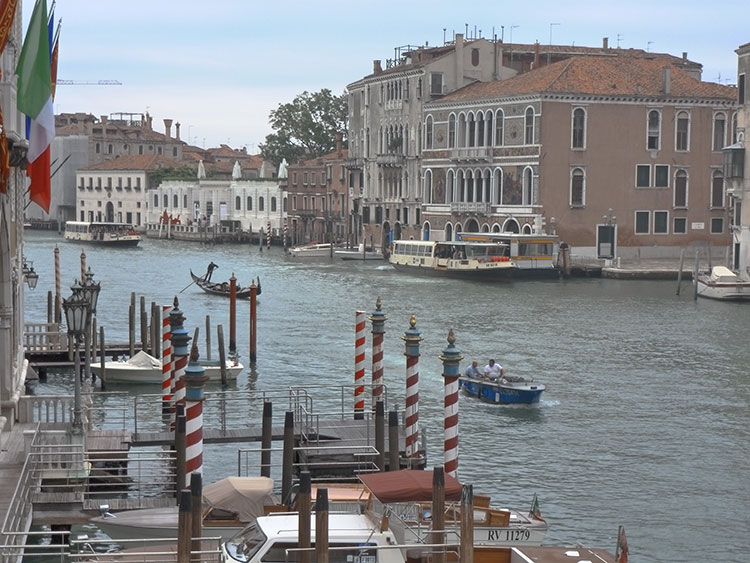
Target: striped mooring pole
{"type": "Point", "coordinates": [359, 365]}
{"type": "Point", "coordinates": [268, 235]}
{"type": "Point", "coordinates": [451, 357]}
{"type": "Point", "coordinates": [378, 319]}
{"type": "Point", "coordinates": [58, 293]}
{"type": "Point", "coordinates": [166, 360]}
{"type": "Point", "coordinates": [195, 379]}
{"type": "Point", "coordinates": [412, 337]}
{"type": "Point", "coordinates": [286, 231]}
{"type": "Point", "coordinates": [180, 341]}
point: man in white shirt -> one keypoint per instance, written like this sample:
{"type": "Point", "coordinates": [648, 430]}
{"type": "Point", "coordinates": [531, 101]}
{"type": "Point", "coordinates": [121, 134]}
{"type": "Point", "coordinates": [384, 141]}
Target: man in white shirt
{"type": "Point", "coordinates": [493, 371]}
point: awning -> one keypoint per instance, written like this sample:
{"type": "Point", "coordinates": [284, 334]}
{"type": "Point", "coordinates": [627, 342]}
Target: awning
{"type": "Point", "coordinates": [408, 485]}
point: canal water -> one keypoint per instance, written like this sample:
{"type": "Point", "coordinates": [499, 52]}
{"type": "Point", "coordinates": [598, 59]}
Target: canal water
{"type": "Point", "coordinates": [644, 422]}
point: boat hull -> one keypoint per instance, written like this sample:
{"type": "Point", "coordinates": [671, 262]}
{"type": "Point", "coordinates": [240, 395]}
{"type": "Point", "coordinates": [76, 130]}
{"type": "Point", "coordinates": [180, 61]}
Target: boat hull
{"type": "Point", "coordinates": [155, 523]}
{"type": "Point", "coordinates": [358, 255]}
{"type": "Point", "coordinates": [221, 289]}
{"type": "Point", "coordinates": [123, 242]}
{"type": "Point", "coordinates": [121, 372]}
{"type": "Point", "coordinates": [501, 394]}
{"type": "Point", "coordinates": [488, 274]}
{"type": "Point", "coordinates": [723, 292]}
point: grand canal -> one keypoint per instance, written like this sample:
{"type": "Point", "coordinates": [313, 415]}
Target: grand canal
{"type": "Point", "coordinates": [644, 422]}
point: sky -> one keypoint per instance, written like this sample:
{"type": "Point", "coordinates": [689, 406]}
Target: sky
{"type": "Point", "coordinates": [220, 67]}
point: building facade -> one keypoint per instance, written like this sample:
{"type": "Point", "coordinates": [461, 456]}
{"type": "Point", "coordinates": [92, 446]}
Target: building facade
{"type": "Point", "coordinates": [618, 155]}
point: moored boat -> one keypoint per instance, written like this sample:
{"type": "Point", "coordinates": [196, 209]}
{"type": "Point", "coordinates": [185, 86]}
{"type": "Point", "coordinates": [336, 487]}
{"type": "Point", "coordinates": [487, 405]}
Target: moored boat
{"type": "Point", "coordinates": [143, 368]}
{"type": "Point", "coordinates": [102, 233]}
{"type": "Point", "coordinates": [506, 390]}
{"type": "Point", "coordinates": [723, 284]}
{"type": "Point", "coordinates": [314, 250]}
{"type": "Point", "coordinates": [359, 254]}
{"type": "Point", "coordinates": [469, 260]}
{"type": "Point", "coordinates": [535, 255]}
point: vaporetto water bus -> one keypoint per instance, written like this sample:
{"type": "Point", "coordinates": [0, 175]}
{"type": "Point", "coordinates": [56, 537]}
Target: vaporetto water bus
{"type": "Point", "coordinates": [458, 259]}
{"type": "Point", "coordinates": [535, 255]}
{"type": "Point", "coordinates": [102, 233]}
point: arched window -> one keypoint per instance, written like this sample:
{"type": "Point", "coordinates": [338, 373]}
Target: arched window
{"type": "Point", "coordinates": [273, 204]}
{"type": "Point", "coordinates": [249, 203]}
{"type": "Point", "coordinates": [156, 201]}
{"type": "Point", "coordinates": [283, 205]}
{"type": "Point", "coordinates": [260, 204]}
{"type": "Point", "coordinates": [452, 131]}
{"type": "Point", "coordinates": [682, 136]}
{"type": "Point", "coordinates": [579, 129]}
{"type": "Point", "coordinates": [488, 127]}
{"type": "Point", "coordinates": [175, 201]}
{"type": "Point", "coordinates": [428, 132]}
{"type": "Point", "coordinates": [681, 188]}
{"type": "Point", "coordinates": [480, 129]}
{"type": "Point", "coordinates": [238, 203]}
{"type": "Point", "coordinates": [184, 201]}
{"type": "Point", "coordinates": [110, 149]}
{"type": "Point", "coordinates": [528, 184]}
{"type": "Point", "coordinates": [498, 185]}
{"type": "Point", "coordinates": [654, 130]}
{"type": "Point", "coordinates": [499, 123]}
{"type": "Point", "coordinates": [472, 131]}
{"type": "Point", "coordinates": [448, 231]}
{"type": "Point", "coordinates": [166, 200]}
{"type": "Point", "coordinates": [577, 188]}
{"type": "Point", "coordinates": [428, 186]}
{"type": "Point", "coordinates": [450, 186]}
{"type": "Point", "coordinates": [720, 126]}
{"type": "Point", "coordinates": [529, 126]}
{"type": "Point", "coordinates": [717, 189]}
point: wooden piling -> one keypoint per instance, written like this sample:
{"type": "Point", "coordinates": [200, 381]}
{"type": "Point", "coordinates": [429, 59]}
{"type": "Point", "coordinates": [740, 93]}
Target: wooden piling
{"type": "Point", "coordinates": [287, 467]}
{"type": "Point", "coordinates": [679, 272]}
{"type": "Point", "coordinates": [393, 457]}
{"type": "Point", "coordinates": [196, 512]}
{"type": "Point", "coordinates": [266, 439]}
{"type": "Point", "coordinates": [321, 526]}
{"type": "Point", "coordinates": [466, 547]}
{"type": "Point", "coordinates": [102, 359]}
{"type": "Point", "coordinates": [50, 311]}
{"type": "Point", "coordinates": [438, 513]}
{"type": "Point", "coordinates": [131, 325]}
{"type": "Point", "coordinates": [155, 330]}
{"type": "Point", "coordinates": [253, 324]}
{"type": "Point", "coordinates": [179, 446]}
{"type": "Point", "coordinates": [208, 338]}
{"type": "Point", "coordinates": [303, 508]}
{"type": "Point", "coordinates": [144, 324]}
{"type": "Point", "coordinates": [184, 527]}
{"type": "Point", "coordinates": [380, 434]}
{"type": "Point", "coordinates": [695, 275]}
{"type": "Point", "coordinates": [83, 266]}
{"type": "Point", "coordinates": [222, 354]}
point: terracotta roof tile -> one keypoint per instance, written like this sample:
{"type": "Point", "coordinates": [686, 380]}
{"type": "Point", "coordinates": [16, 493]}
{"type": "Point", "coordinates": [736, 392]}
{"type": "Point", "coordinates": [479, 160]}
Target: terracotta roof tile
{"type": "Point", "coordinates": [136, 162]}
{"type": "Point", "coordinates": [598, 76]}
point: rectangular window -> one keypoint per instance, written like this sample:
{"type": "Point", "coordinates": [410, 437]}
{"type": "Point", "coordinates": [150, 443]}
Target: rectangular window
{"type": "Point", "coordinates": [717, 190]}
{"type": "Point", "coordinates": [642, 220]}
{"type": "Point", "coordinates": [294, 178]}
{"type": "Point", "coordinates": [719, 132]}
{"type": "Point", "coordinates": [661, 175]}
{"type": "Point", "coordinates": [717, 225]}
{"type": "Point", "coordinates": [366, 215]}
{"type": "Point", "coordinates": [294, 203]}
{"type": "Point", "coordinates": [304, 178]}
{"type": "Point", "coordinates": [680, 189]}
{"type": "Point", "coordinates": [436, 83]}
{"type": "Point", "coordinates": [683, 128]}
{"type": "Point", "coordinates": [680, 225]}
{"type": "Point", "coordinates": [661, 222]}
{"type": "Point", "coordinates": [643, 176]}
{"type": "Point", "coordinates": [741, 89]}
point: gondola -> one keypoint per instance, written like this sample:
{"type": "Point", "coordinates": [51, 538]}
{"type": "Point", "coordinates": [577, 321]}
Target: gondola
{"type": "Point", "coordinates": [221, 288]}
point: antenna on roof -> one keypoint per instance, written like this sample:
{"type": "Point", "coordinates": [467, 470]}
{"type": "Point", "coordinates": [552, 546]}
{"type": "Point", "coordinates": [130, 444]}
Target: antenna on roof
{"type": "Point", "coordinates": [443, 36]}
{"type": "Point", "coordinates": [648, 46]}
{"type": "Point", "coordinates": [619, 36]}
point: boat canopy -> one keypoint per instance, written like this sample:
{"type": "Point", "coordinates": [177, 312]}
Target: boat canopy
{"type": "Point", "coordinates": [723, 274]}
{"type": "Point", "coordinates": [244, 496]}
{"type": "Point", "coordinates": [408, 485]}
{"type": "Point", "coordinates": [144, 360]}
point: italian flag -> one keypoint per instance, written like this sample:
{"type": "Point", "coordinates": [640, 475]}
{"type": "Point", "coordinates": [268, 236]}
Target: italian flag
{"type": "Point", "coordinates": [35, 100]}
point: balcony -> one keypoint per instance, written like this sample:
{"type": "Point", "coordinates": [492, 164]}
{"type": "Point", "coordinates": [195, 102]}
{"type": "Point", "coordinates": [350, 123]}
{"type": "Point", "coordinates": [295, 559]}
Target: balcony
{"type": "Point", "coordinates": [391, 160]}
{"type": "Point", "coordinates": [471, 154]}
{"type": "Point", "coordinates": [479, 207]}
{"type": "Point", "coordinates": [356, 162]}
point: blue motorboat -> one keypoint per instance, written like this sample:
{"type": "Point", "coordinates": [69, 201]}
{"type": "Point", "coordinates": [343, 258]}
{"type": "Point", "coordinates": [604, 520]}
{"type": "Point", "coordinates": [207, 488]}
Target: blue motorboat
{"type": "Point", "coordinates": [507, 390]}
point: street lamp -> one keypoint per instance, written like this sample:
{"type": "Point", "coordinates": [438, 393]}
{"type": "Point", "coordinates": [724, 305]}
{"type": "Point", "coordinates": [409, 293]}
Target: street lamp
{"type": "Point", "coordinates": [29, 274]}
{"type": "Point", "coordinates": [76, 317]}
{"type": "Point", "coordinates": [90, 293]}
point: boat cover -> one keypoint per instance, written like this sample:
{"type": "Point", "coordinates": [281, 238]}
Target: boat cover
{"type": "Point", "coordinates": [723, 274]}
{"type": "Point", "coordinates": [144, 360]}
{"type": "Point", "coordinates": [245, 496]}
{"type": "Point", "coordinates": [408, 485]}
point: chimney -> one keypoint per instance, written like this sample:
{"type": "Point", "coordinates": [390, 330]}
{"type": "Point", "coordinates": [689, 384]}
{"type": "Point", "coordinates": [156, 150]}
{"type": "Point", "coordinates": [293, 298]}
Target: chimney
{"type": "Point", "coordinates": [605, 43]}
{"type": "Point", "coordinates": [684, 57]}
{"type": "Point", "coordinates": [103, 119]}
{"type": "Point", "coordinates": [168, 128]}
{"type": "Point", "coordinates": [339, 143]}
{"type": "Point", "coordinates": [177, 130]}
{"type": "Point", "coordinates": [377, 68]}
{"type": "Point", "coordinates": [536, 55]}
{"type": "Point", "coordinates": [459, 54]}
{"type": "Point", "coordinates": [667, 81]}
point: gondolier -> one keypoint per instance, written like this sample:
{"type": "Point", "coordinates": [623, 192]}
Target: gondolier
{"type": "Point", "coordinates": [210, 271]}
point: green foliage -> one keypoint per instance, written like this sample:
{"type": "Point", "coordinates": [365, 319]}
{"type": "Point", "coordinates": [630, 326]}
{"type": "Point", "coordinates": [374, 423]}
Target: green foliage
{"type": "Point", "coordinates": [306, 127]}
{"type": "Point", "coordinates": [159, 175]}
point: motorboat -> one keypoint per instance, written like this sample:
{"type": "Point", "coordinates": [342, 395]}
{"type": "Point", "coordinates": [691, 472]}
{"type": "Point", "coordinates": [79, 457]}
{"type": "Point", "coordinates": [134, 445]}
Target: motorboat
{"type": "Point", "coordinates": [508, 389]}
{"type": "Point", "coordinates": [455, 259]}
{"type": "Point", "coordinates": [359, 254]}
{"type": "Point", "coordinates": [314, 250]}
{"type": "Point", "coordinates": [229, 505]}
{"type": "Point", "coordinates": [405, 497]}
{"type": "Point", "coordinates": [102, 233]}
{"type": "Point", "coordinates": [143, 368]}
{"type": "Point", "coordinates": [723, 284]}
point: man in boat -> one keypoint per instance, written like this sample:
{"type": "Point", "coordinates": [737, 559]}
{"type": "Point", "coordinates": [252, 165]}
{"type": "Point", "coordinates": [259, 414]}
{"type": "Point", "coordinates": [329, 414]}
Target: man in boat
{"type": "Point", "coordinates": [210, 271]}
{"type": "Point", "coordinates": [472, 370]}
{"type": "Point", "coordinates": [493, 371]}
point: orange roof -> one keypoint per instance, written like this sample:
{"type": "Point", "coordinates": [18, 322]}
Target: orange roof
{"type": "Point", "coordinates": [598, 76]}
{"type": "Point", "coordinates": [136, 162]}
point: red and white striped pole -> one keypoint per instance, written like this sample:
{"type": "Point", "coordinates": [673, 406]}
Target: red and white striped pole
{"type": "Point", "coordinates": [166, 360]}
{"type": "Point", "coordinates": [268, 235]}
{"type": "Point", "coordinates": [180, 341]}
{"type": "Point", "coordinates": [359, 364]}
{"type": "Point", "coordinates": [378, 319]}
{"type": "Point", "coordinates": [195, 378]}
{"type": "Point", "coordinates": [451, 357]}
{"type": "Point", "coordinates": [412, 338]}
{"type": "Point", "coordinates": [286, 231]}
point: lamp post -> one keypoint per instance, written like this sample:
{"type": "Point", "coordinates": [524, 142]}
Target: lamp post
{"type": "Point", "coordinates": [90, 293]}
{"type": "Point", "coordinates": [76, 317]}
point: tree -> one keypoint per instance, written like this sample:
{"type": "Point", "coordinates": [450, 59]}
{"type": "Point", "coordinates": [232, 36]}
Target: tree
{"type": "Point", "coordinates": [306, 127]}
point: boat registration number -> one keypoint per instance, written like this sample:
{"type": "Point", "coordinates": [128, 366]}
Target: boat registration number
{"type": "Point", "coordinates": [508, 534]}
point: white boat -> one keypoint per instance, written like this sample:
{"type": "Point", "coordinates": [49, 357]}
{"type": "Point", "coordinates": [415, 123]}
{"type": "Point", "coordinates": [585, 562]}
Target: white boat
{"type": "Point", "coordinates": [229, 505]}
{"type": "Point", "coordinates": [102, 233]}
{"type": "Point", "coordinates": [314, 250]}
{"type": "Point", "coordinates": [535, 255]}
{"type": "Point", "coordinates": [723, 284]}
{"type": "Point", "coordinates": [144, 368]}
{"type": "Point", "coordinates": [457, 259]}
{"type": "Point", "coordinates": [359, 254]}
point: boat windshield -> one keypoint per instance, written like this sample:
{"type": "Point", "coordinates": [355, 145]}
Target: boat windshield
{"type": "Point", "coordinates": [244, 545]}
{"type": "Point", "coordinates": [482, 250]}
